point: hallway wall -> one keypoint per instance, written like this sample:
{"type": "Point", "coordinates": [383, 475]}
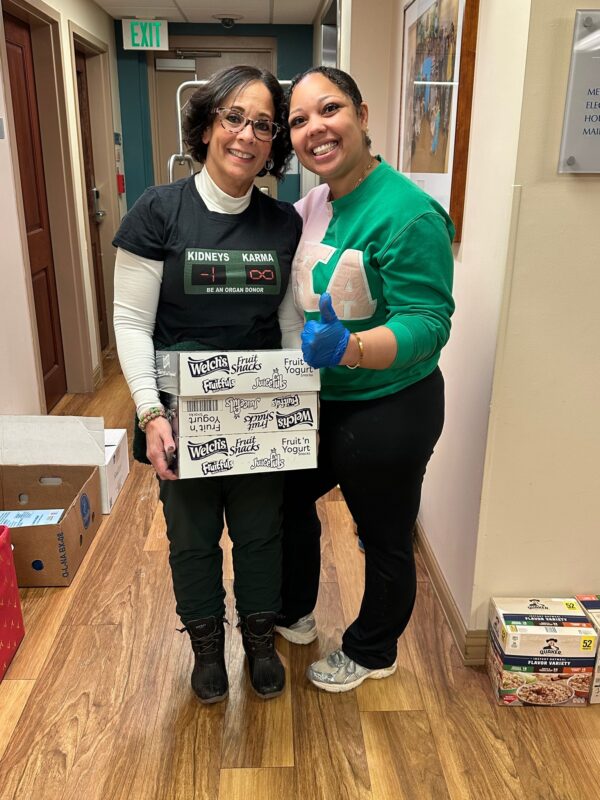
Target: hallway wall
{"type": "Point", "coordinates": [369, 61]}
{"type": "Point", "coordinates": [452, 491]}
{"type": "Point", "coordinates": [540, 512]}
{"type": "Point", "coordinates": [510, 504]}
{"type": "Point", "coordinates": [16, 309]}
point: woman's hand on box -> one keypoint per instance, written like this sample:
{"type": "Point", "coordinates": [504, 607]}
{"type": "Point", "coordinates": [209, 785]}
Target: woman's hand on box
{"type": "Point", "coordinates": [161, 447]}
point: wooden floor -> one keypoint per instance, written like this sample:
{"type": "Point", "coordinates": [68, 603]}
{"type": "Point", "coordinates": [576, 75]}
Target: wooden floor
{"type": "Point", "coordinates": [97, 703]}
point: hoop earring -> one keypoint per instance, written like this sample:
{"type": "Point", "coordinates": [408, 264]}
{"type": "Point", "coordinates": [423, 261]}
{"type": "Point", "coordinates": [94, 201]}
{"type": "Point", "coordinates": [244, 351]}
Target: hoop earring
{"type": "Point", "coordinates": [269, 164]}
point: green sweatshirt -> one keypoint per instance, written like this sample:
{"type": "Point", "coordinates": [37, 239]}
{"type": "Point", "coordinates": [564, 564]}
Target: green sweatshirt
{"type": "Point", "coordinates": [384, 254]}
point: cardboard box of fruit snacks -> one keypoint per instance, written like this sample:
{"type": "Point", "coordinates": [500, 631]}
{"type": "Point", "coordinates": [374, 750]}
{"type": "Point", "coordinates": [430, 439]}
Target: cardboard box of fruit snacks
{"type": "Point", "coordinates": [591, 604]}
{"type": "Point", "coordinates": [541, 651]}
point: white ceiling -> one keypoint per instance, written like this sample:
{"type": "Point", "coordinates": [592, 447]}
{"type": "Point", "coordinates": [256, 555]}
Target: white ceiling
{"type": "Point", "coordinates": [275, 12]}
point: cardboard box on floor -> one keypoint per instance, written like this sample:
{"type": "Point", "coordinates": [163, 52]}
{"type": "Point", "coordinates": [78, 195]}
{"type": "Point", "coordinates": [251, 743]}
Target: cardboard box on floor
{"type": "Point", "coordinates": [50, 555]}
{"type": "Point", "coordinates": [30, 440]}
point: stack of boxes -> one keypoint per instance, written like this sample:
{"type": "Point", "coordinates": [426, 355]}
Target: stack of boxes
{"type": "Point", "coordinates": [542, 651]}
{"type": "Point", "coordinates": [240, 412]}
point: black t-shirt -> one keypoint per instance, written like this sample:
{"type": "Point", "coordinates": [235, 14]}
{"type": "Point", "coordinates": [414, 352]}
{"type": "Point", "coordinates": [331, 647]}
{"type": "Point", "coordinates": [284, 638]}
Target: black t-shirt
{"type": "Point", "coordinates": [224, 275]}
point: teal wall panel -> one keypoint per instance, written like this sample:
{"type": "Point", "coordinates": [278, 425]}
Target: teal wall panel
{"type": "Point", "coordinates": [135, 119]}
{"type": "Point", "coordinates": [294, 54]}
{"type": "Point", "coordinates": [289, 188]}
{"type": "Point", "coordinates": [294, 42]}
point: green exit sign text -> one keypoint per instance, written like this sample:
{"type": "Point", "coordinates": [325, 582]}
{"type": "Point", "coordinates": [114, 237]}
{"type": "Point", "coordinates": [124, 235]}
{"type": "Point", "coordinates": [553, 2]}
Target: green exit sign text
{"type": "Point", "coordinates": [145, 34]}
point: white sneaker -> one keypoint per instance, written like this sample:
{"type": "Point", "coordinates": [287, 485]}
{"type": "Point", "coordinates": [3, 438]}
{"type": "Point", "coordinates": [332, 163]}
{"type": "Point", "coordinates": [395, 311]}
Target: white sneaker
{"type": "Point", "coordinates": [302, 632]}
{"type": "Point", "coordinates": [338, 673]}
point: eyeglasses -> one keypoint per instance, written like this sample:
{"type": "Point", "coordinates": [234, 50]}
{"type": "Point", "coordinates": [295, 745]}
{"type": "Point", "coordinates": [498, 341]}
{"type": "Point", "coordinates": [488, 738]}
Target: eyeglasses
{"type": "Point", "coordinates": [234, 122]}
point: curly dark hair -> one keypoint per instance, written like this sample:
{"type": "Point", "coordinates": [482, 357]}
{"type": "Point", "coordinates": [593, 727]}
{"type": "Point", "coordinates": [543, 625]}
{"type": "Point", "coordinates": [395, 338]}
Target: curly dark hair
{"type": "Point", "coordinates": [341, 79]}
{"type": "Point", "coordinates": [200, 112]}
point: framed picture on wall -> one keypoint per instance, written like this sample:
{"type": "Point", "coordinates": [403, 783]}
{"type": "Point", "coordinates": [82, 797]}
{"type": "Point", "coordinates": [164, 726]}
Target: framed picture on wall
{"type": "Point", "coordinates": [438, 57]}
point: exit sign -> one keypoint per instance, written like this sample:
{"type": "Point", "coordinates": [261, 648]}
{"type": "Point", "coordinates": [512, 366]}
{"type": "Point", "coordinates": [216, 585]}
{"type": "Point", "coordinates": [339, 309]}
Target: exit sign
{"type": "Point", "coordinates": [145, 34]}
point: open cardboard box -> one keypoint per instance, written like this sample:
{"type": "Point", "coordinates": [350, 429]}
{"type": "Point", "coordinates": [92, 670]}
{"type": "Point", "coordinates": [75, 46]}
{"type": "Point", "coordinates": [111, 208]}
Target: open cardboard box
{"type": "Point", "coordinates": [30, 440]}
{"type": "Point", "coordinates": [50, 555]}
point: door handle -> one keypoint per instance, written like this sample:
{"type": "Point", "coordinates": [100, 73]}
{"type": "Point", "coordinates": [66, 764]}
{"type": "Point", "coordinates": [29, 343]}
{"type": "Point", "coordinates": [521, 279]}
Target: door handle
{"type": "Point", "coordinates": [99, 214]}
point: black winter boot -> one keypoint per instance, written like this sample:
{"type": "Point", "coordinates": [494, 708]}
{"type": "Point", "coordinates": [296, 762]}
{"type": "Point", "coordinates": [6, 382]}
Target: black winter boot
{"type": "Point", "coordinates": [209, 677]}
{"type": "Point", "coordinates": [267, 674]}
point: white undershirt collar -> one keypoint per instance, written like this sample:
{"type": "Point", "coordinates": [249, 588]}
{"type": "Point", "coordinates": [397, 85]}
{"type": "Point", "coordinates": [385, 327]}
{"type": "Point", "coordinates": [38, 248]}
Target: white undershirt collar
{"type": "Point", "coordinates": [218, 200]}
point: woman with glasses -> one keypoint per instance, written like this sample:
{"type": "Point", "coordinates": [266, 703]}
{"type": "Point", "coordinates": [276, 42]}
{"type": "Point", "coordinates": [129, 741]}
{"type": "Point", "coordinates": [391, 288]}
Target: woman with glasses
{"type": "Point", "coordinates": [373, 277]}
{"type": "Point", "coordinates": [183, 282]}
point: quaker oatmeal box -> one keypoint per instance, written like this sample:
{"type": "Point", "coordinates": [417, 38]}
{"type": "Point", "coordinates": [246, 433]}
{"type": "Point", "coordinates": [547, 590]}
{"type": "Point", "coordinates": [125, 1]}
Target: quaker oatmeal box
{"type": "Point", "coordinates": [591, 604]}
{"type": "Point", "coordinates": [541, 651]}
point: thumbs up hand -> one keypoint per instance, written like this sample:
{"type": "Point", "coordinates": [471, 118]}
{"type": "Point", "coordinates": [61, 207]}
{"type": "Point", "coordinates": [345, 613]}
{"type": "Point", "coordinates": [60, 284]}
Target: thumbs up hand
{"type": "Point", "coordinates": [324, 343]}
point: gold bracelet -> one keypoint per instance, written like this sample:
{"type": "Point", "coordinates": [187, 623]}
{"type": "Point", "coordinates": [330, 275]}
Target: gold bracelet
{"type": "Point", "coordinates": [361, 351]}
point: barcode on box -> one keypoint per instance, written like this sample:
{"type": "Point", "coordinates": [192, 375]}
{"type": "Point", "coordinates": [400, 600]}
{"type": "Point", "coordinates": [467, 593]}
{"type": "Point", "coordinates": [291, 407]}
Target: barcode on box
{"type": "Point", "coordinates": [550, 629]}
{"type": "Point", "coordinates": [202, 404]}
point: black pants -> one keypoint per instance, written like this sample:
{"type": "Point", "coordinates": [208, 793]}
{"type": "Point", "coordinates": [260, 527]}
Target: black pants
{"type": "Point", "coordinates": [194, 511]}
{"type": "Point", "coordinates": [377, 451]}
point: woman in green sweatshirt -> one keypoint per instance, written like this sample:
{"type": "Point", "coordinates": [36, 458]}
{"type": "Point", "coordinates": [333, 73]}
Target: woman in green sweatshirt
{"type": "Point", "coordinates": [373, 278]}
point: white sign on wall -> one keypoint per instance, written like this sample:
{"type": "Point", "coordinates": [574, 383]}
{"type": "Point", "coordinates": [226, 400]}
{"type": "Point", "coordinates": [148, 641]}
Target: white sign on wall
{"type": "Point", "coordinates": [580, 147]}
{"type": "Point", "coordinates": [145, 34]}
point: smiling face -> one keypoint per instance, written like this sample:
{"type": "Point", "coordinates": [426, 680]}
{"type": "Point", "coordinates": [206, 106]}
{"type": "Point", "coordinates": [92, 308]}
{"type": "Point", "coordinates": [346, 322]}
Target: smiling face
{"type": "Point", "coordinates": [328, 132]}
{"type": "Point", "coordinates": [234, 159]}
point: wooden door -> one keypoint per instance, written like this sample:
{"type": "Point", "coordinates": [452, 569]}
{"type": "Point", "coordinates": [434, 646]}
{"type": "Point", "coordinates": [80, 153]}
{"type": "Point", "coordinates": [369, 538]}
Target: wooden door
{"type": "Point", "coordinates": [90, 190]}
{"type": "Point", "coordinates": [31, 168]}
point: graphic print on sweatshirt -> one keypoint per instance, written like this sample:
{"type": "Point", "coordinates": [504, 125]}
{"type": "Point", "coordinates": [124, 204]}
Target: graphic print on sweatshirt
{"type": "Point", "coordinates": [211, 271]}
{"type": "Point", "coordinates": [320, 267]}
{"type": "Point", "coordinates": [341, 273]}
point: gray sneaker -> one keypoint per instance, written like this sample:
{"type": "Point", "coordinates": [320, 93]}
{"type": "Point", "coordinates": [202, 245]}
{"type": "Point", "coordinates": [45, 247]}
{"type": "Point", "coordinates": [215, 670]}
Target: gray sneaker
{"type": "Point", "coordinates": [338, 673]}
{"type": "Point", "coordinates": [302, 632]}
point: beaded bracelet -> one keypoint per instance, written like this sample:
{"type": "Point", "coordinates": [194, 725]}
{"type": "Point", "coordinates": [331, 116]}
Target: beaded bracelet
{"type": "Point", "coordinates": [150, 414]}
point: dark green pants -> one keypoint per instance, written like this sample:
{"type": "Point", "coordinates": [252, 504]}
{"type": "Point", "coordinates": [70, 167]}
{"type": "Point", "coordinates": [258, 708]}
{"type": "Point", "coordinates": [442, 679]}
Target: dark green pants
{"type": "Point", "coordinates": [194, 511]}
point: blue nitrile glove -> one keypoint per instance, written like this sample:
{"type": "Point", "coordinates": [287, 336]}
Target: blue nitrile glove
{"type": "Point", "coordinates": [324, 343]}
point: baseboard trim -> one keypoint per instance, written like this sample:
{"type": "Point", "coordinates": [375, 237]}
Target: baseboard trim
{"type": "Point", "coordinates": [97, 376]}
{"type": "Point", "coordinates": [471, 644]}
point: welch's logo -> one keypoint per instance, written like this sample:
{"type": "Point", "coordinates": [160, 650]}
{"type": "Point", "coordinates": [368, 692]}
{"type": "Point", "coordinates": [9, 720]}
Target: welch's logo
{"type": "Point", "coordinates": [198, 452]}
{"type": "Point", "coordinates": [206, 366]}
{"type": "Point", "coordinates": [303, 416]}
